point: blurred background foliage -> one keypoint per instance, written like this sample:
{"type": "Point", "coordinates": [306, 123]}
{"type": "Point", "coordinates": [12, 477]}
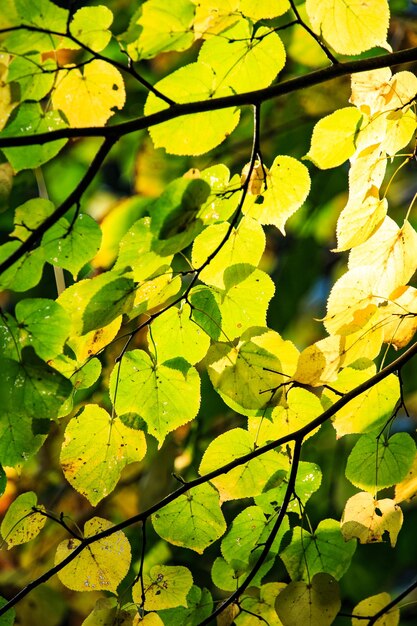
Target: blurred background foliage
{"type": "Point", "coordinates": [303, 269]}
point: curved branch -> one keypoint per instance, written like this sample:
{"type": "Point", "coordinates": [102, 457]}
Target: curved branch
{"type": "Point", "coordinates": [393, 603]}
{"type": "Point", "coordinates": [296, 436]}
{"type": "Point", "coordinates": [215, 104]}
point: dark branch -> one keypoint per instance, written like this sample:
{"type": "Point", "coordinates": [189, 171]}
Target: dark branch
{"type": "Point", "coordinates": [215, 104]}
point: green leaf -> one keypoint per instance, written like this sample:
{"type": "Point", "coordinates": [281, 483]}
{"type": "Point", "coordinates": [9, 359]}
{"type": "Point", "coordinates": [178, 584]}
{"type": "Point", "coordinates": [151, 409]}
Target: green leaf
{"type": "Point", "coordinates": [334, 138]}
{"type": "Point", "coordinates": [243, 535]}
{"type": "Point", "coordinates": [21, 523]}
{"type": "Point", "coordinates": [18, 442]}
{"type": "Point", "coordinates": [244, 481]}
{"type": "Point", "coordinates": [197, 133]}
{"type": "Point", "coordinates": [245, 300]}
{"type": "Point", "coordinates": [30, 119]}
{"type": "Point", "coordinates": [175, 334]}
{"type": "Point", "coordinates": [90, 25]}
{"type": "Point", "coordinates": [32, 387]}
{"type": "Point", "coordinates": [162, 27]}
{"type": "Point", "coordinates": [286, 187]}
{"type": "Point", "coordinates": [194, 520]}
{"type": "Point", "coordinates": [165, 587]}
{"type": "Point", "coordinates": [165, 395]}
{"type": "Point", "coordinates": [136, 251]}
{"type": "Point", "coordinates": [45, 324]}
{"type": "Point", "coordinates": [34, 77]}
{"type": "Point", "coordinates": [199, 607]}
{"type": "Point", "coordinates": [247, 375]}
{"type": "Point", "coordinates": [44, 15]}
{"type": "Point", "coordinates": [206, 310]}
{"type": "Point", "coordinates": [102, 566]}
{"type": "Point", "coordinates": [96, 448]}
{"type": "Point", "coordinates": [72, 246]}
{"type": "Point", "coordinates": [323, 551]}
{"type": "Point", "coordinates": [375, 463]}
{"type": "Point", "coordinates": [30, 215]}
{"type": "Point", "coordinates": [8, 618]}
{"type": "Point", "coordinates": [314, 604]}
{"type": "Point", "coordinates": [224, 197]}
{"type": "Point", "coordinates": [244, 245]}
{"type": "Point", "coordinates": [243, 60]}
{"type": "Point", "coordinates": [24, 273]}
{"type": "Point", "coordinates": [307, 482]}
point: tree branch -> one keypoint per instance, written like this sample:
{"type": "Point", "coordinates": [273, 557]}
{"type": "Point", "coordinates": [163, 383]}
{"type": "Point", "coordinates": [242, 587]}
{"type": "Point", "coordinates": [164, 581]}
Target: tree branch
{"type": "Point", "coordinates": [201, 106]}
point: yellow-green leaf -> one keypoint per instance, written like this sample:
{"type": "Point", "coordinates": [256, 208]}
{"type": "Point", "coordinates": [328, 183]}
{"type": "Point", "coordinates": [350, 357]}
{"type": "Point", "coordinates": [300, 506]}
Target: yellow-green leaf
{"type": "Point", "coordinates": [314, 604]}
{"type": "Point", "coordinates": [96, 449]}
{"type": "Point", "coordinates": [333, 139]}
{"type": "Point", "coordinates": [372, 605]}
{"type": "Point", "coordinates": [165, 587]}
{"type": "Point", "coordinates": [21, 523]}
{"type": "Point", "coordinates": [286, 187]}
{"type": "Point", "coordinates": [101, 566]}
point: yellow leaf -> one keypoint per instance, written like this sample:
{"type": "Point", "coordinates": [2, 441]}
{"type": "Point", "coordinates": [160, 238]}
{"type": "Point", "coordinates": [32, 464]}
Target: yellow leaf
{"type": "Point", "coordinates": [287, 186]}
{"type": "Point", "coordinates": [368, 519]}
{"type": "Point", "coordinates": [320, 363]}
{"type": "Point", "coordinates": [214, 16]}
{"type": "Point", "coordinates": [100, 566]}
{"type": "Point", "coordinates": [389, 254]}
{"type": "Point", "coordinates": [358, 222]}
{"type": "Point", "coordinates": [371, 606]}
{"type": "Point", "coordinates": [333, 139]}
{"type": "Point", "coordinates": [366, 174]}
{"type": "Point", "coordinates": [350, 26]}
{"type": "Point", "coordinates": [6, 104]}
{"type": "Point", "coordinates": [263, 9]}
{"type": "Point", "coordinates": [91, 343]}
{"type": "Point", "coordinates": [407, 488]}
{"type": "Point", "coordinates": [351, 302]}
{"type": "Point", "coordinates": [21, 523]}
{"type": "Point", "coordinates": [398, 316]}
{"type": "Point", "coordinates": [369, 88]}
{"type": "Point", "coordinates": [87, 99]}
{"type": "Point", "coordinates": [150, 619]}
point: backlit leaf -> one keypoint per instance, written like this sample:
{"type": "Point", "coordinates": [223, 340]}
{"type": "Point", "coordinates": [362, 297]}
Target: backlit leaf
{"type": "Point", "coordinates": [165, 587]}
{"type": "Point", "coordinates": [197, 133]}
{"type": "Point", "coordinates": [95, 451]}
{"type": "Point", "coordinates": [407, 488]}
{"type": "Point", "coordinates": [88, 98]}
{"type": "Point", "coordinates": [287, 186]}
{"type": "Point", "coordinates": [72, 246]}
{"type": "Point", "coordinates": [246, 480]}
{"type": "Point", "coordinates": [101, 566]}
{"type": "Point", "coordinates": [30, 119]}
{"type": "Point", "coordinates": [21, 523]}
{"type": "Point", "coordinates": [333, 139]}
{"type": "Point", "coordinates": [323, 551]}
{"type": "Point", "coordinates": [165, 395]}
{"type": "Point", "coordinates": [90, 26]}
{"type": "Point", "coordinates": [45, 324]}
{"type": "Point", "coordinates": [368, 519]}
{"type": "Point", "coordinates": [371, 606]}
{"type": "Point", "coordinates": [350, 27]}
{"type": "Point", "coordinates": [194, 520]}
{"type": "Point", "coordinates": [375, 463]}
